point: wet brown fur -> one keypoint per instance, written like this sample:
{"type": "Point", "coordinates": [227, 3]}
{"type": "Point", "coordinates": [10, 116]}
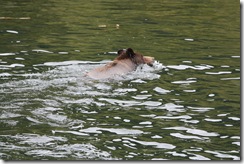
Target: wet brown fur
{"type": "Point", "coordinates": [125, 62]}
{"type": "Point", "coordinates": [129, 54]}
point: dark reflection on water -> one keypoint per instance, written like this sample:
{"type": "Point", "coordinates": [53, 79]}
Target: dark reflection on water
{"type": "Point", "coordinates": [186, 107]}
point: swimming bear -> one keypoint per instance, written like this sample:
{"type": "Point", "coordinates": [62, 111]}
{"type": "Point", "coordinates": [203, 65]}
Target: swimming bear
{"type": "Point", "coordinates": [126, 61]}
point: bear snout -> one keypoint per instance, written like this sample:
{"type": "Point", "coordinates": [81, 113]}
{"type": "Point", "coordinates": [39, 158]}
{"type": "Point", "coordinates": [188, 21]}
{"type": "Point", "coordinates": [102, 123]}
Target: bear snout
{"type": "Point", "coordinates": [148, 60]}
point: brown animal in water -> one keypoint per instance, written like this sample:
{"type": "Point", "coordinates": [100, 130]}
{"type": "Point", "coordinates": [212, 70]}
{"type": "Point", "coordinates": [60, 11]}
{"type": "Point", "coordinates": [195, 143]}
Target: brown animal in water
{"type": "Point", "coordinates": [126, 61]}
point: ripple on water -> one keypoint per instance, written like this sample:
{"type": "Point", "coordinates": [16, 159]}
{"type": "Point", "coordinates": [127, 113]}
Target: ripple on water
{"type": "Point", "coordinates": [12, 31]}
{"type": "Point", "coordinates": [218, 73]}
{"type": "Point", "coordinates": [195, 131]}
{"type": "Point", "coordinates": [189, 90]}
{"type": "Point", "coordinates": [68, 72]}
{"type": "Point", "coordinates": [145, 123]}
{"type": "Point", "coordinates": [7, 115]}
{"type": "Point", "coordinates": [156, 136]}
{"type": "Point", "coordinates": [74, 88]}
{"type": "Point", "coordinates": [171, 107]}
{"type": "Point", "coordinates": [122, 103]}
{"type": "Point", "coordinates": [200, 109]}
{"type": "Point", "coordinates": [184, 82]}
{"type": "Point", "coordinates": [148, 143]}
{"type": "Point", "coordinates": [174, 153]}
{"type": "Point", "coordinates": [151, 103]}
{"type": "Point", "coordinates": [119, 131]}
{"type": "Point", "coordinates": [234, 118]}
{"type": "Point", "coordinates": [231, 78]}
{"type": "Point", "coordinates": [212, 120]}
{"type": "Point", "coordinates": [7, 54]}
{"type": "Point", "coordinates": [198, 157]}
{"type": "Point", "coordinates": [12, 66]}
{"type": "Point", "coordinates": [47, 114]}
{"type": "Point", "coordinates": [222, 155]}
{"type": "Point", "coordinates": [181, 136]}
{"type": "Point", "coordinates": [141, 97]}
{"type": "Point", "coordinates": [44, 146]}
{"type": "Point", "coordinates": [70, 132]}
{"type": "Point", "coordinates": [161, 90]}
{"type": "Point", "coordinates": [41, 51]}
{"type": "Point", "coordinates": [124, 90]}
{"type": "Point", "coordinates": [196, 67]}
{"type": "Point", "coordinates": [76, 151]}
{"type": "Point", "coordinates": [173, 117]}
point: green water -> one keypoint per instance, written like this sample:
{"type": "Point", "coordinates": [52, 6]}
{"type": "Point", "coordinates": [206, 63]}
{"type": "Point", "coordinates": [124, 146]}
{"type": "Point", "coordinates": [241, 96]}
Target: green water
{"type": "Point", "coordinates": [187, 107]}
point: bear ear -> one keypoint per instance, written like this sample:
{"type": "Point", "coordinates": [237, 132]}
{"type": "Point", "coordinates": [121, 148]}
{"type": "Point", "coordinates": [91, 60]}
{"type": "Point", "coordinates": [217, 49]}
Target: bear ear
{"type": "Point", "coordinates": [120, 52]}
{"type": "Point", "coordinates": [130, 52]}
